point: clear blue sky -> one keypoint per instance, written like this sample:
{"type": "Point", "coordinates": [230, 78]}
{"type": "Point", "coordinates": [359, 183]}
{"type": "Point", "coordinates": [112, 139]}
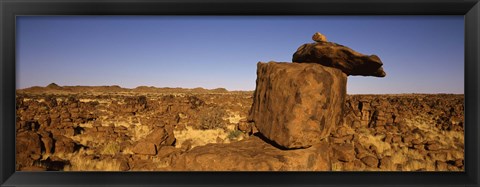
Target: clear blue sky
{"type": "Point", "coordinates": [421, 54]}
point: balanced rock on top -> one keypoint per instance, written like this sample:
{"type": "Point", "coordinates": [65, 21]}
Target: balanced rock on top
{"type": "Point", "coordinates": [319, 37]}
{"type": "Point", "coordinates": [338, 56]}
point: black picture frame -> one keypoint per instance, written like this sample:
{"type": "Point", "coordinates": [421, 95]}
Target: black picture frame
{"type": "Point", "coordinates": [9, 9]}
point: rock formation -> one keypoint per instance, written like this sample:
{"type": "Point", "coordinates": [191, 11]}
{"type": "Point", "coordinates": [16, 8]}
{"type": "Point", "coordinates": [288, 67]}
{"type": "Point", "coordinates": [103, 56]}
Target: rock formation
{"type": "Point", "coordinates": [319, 37]}
{"type": "Point", "coordinates": [338, 56]}
{"type": "Point", "coordinates": [253, 154]}
{"type": "Point", "coordinates": [297, 105]}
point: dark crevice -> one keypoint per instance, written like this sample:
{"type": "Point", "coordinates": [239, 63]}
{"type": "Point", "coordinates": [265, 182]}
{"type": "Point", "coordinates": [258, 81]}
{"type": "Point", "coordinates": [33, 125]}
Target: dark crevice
{"type": "Point", "coordinates": [273, 143]}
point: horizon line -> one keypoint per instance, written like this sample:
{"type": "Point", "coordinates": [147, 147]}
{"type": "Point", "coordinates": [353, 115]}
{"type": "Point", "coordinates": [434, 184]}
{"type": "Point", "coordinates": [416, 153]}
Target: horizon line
{"type": "Point", "coordinates": [199, 87]}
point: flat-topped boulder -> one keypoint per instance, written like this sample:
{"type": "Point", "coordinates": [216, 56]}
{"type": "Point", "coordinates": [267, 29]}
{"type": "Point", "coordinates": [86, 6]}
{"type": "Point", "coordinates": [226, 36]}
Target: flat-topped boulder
{"type": "Point", "coordinates": [253, 154]}
{"type": "Point", "coordinates": [297, 105]}
{"type": "Point", "coordinates": [338, 56]}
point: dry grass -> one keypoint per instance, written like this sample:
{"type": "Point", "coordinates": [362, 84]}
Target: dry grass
{"type": "Point", "coordinates": [141, 131]}
{"type": "Point", "coordinates": [233, 117]}
{"type": "Point", "coordinates": [368, 140]}
{"type": "Point", "coordinates": [81, 164]}
{"type": "Point", "coordinates": [201, 137]}
{"type": "Point", "coordinates": [337, 166]}
{"type": "Point", "coordinates": [446, 138]}
{"type": "Point", "coordinates": [84, 139]}
{"type": "Point", "coordinates": [111, 148]}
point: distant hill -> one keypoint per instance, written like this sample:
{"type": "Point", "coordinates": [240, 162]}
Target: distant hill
{"type": "Point", "coordinates": [54, 88]}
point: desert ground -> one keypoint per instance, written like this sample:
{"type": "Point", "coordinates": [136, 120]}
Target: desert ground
{"type": "Point", "coordinates": [108, 128]}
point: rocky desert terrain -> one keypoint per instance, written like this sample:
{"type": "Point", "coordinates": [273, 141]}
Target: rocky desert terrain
{"type": "Point", "coordinates": [299, 118]}
{"type": "Point", "coordinates": [136, 130]}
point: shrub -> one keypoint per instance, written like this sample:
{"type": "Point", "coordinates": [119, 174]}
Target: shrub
{"type": "Point", "coordinates": [212, 118]}
{"type": "Point", "coordinates": [234, 134]}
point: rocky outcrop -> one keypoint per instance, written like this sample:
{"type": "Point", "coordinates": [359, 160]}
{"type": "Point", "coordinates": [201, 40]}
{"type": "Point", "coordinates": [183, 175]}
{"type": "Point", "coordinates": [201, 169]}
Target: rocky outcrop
{"type": "Point", "coordinates": [338, 56]}
{"type": "Point", "coordinates": [319, 37]}
{"type": "Point", "coordinates": [253, 154]}
{"type": "Point", "coordinates": [28, 148]}
{"type": "Point", "coordinates": [297, 105]}
{"type": "Point", "coordinates": [162, 136]}
{"type": "Point", "coordinates": [145, 148]}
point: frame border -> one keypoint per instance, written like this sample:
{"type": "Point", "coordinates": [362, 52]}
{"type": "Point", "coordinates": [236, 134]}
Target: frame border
{"type": "Point", "coordinates": [11, 8]}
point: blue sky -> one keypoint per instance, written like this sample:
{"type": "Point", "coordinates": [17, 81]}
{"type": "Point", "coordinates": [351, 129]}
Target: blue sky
{"type": "Point", "coordinates": [421, 54]}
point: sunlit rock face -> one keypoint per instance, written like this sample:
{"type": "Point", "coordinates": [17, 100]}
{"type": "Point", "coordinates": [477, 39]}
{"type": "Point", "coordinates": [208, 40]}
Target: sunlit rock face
{"type": "Point", "coordinates": [297, 105]}
{"type": "Point", "coordinates": [338, 56]}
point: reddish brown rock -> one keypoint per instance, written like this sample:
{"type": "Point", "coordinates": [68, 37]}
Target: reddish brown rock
{"type": "Point", "coordinates": [397, 139]}
{"type": "Point", "coordinates": [334, 55]}
{"type": "Point", "coordinates": [253, 154]}
{"type": "Point", "coordinates": [319, 37]}
{"type": "Point", "coordinates": [297, 105]}
{"type": "Point", "coordinates": [161, 136]}
{"type": "Point", "coordinates": [433, 147]}
{"type": "Point", "coordinates": [64, 145]}
{"type": "Point", "coordinates": [370, 161]}
{"type": "Point", "coordinates": [48, 143]}
{"type": "Point", "coordinates": [244, 127]}
{"type": "Point", "coordinates": [28, 143]}
{"type": "Point", "coordinates": [145, 148]}
{"type": "Point", "coordinates": [344, 152]}
{"type": "Point", "coordinates": [386, 163]}
{"type": "Point", "coordinates": [441, 166]}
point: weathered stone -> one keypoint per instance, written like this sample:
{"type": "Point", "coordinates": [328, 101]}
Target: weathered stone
{"type": "Point", "coordinates": [388, 138]}
{"type": "Point", "coordinates": [339, 56]}
{"type": "Point", "coordinates": [253, 154]}
{"type": "Point", "coordinates": [441, 156]}
{"type": "Point", "coordinates": [319, 37]}
{"type": "Point", "coordinates": [344, 152]}
{"type": "Point", "coordinates": [343, 131]}
{"type": "Point", "coordinates": [359, 165]}
{"type": "Point", "coordinates": [244, 127]}
{"type": "Point", "coordinates": [28, 142]}
{"type": "Point", "coordinates": [386, 163]}
{"type": "Point", "coordinates": [48, 143]}
{"type": "Point", "coordinates": [417, 141]}
{"type": "Point", "coordinates": [441, 166]}
{"type": "Point", "coordinates": [297, 105]}
{"type": "Point", "coordinates": [145, 148]}
{"type": "Point", "coordinates": [458, 162]}
{"type": "Point", "coordinates": [408, 139]}
{"type": "Point", "coordinates": [370, 161]}
{"type": "Point", "coordinates": [397, 139]}
{"type": "Point", "coordinates": [433, 147]}
{"type": "Point", "coordinates": [64, 145]}
{"type": "Point", "coordinates": [161, 136]}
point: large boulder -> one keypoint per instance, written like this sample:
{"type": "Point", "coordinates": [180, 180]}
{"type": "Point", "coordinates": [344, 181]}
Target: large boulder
{"type": "Point", "coordinates": [28, 148]}
{"type": "Point", "coordinates": [338, 56]}
{"type": "Point", "coordinates": [297, 105]}
{"type": "Point", "coordinates": [253, 154]}
{"type": "Point", "coordinates": [161, 136]}
{"type": "Point", "coordinates": [145, 148]}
